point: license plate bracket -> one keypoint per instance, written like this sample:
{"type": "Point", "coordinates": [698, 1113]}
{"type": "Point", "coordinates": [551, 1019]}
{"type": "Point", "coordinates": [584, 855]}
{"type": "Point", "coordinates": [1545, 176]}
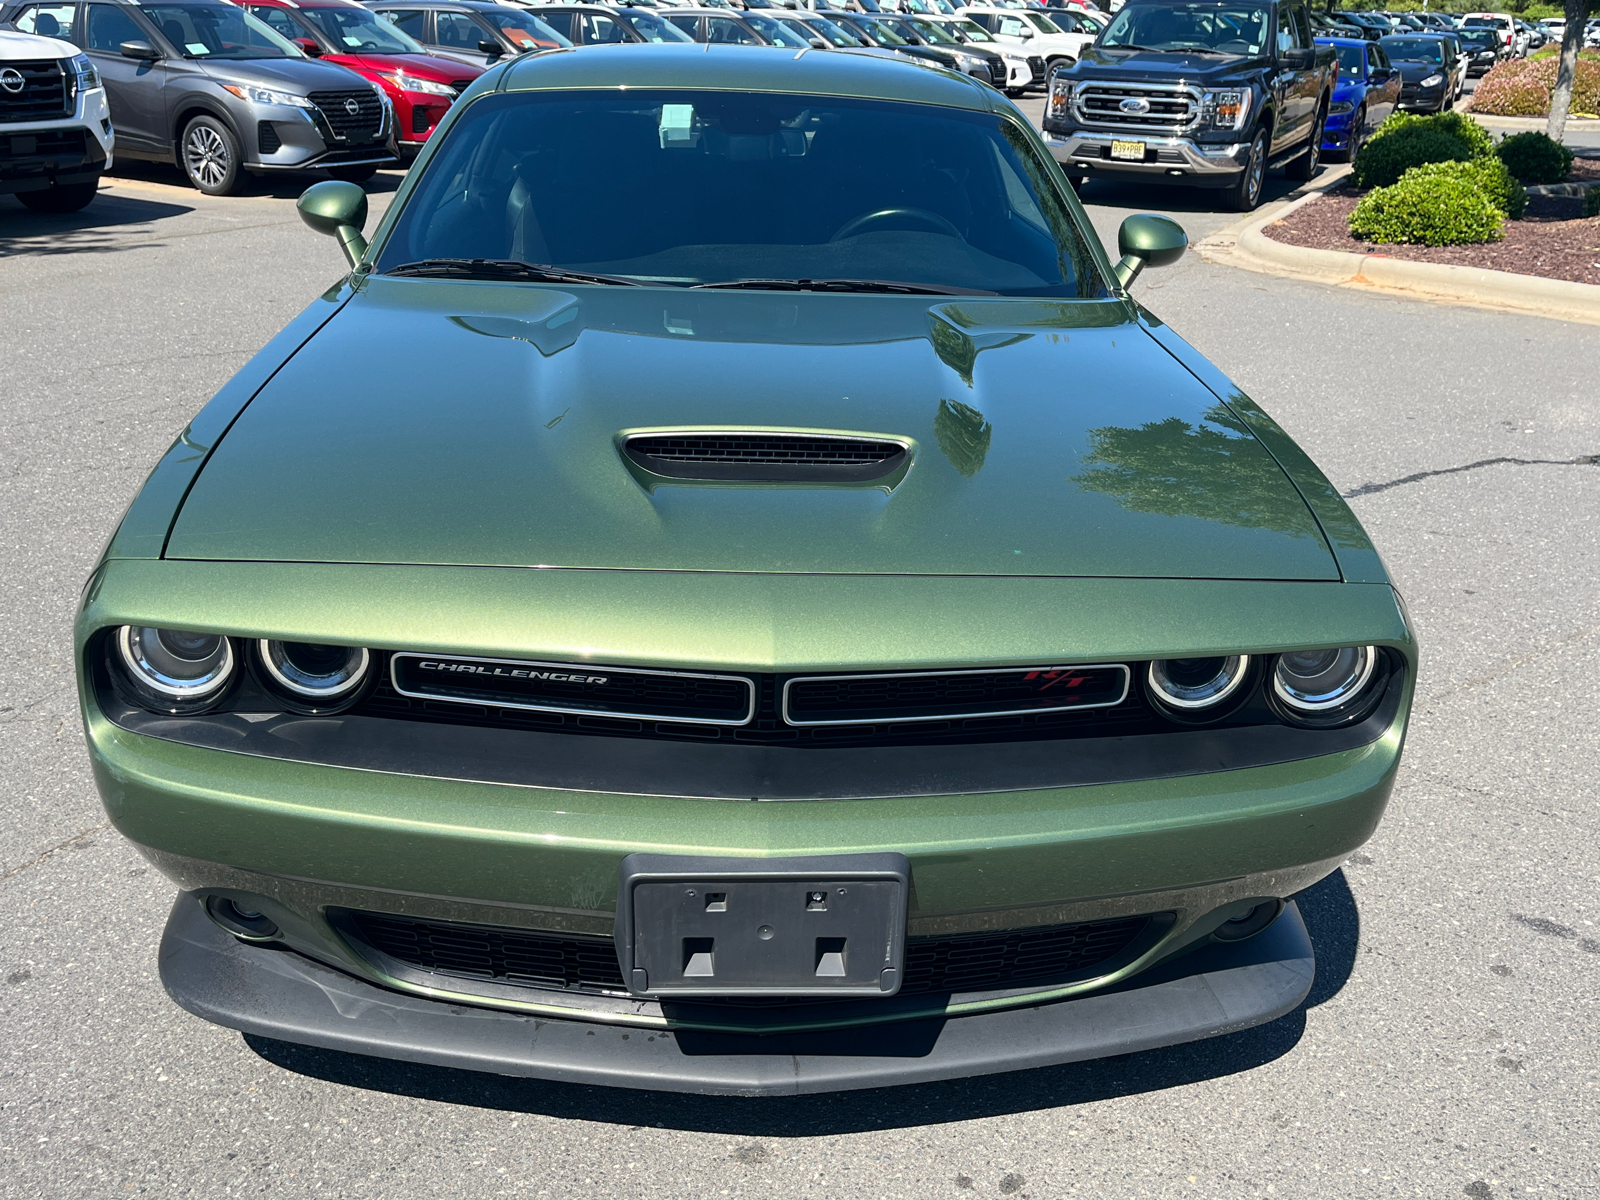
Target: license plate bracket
{"type": "Point", "coordinates": [1127, 151]}
{"type": "Point", "coordinates": [699, 925]}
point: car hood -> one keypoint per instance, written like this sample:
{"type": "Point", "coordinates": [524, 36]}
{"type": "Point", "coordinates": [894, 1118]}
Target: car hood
{"type": "Point", "coordinates": [294, 74]}
{"type": "Point", "coordinates": [1141, 64]}
{"type": "Point", "coordinates": [1411, 72]}
{"type": "Point", "coordinates": [423, 66]}
{"type": "Point", "coordinates": [443, 422]}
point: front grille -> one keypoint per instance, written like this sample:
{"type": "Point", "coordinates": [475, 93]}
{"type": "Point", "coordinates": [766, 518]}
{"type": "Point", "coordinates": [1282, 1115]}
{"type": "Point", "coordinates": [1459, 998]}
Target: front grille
{"type": "Point", "coordinates": [587, 690]}
{"type": "Point", "coordinates": [965, 962]}
{"type": "Point", "coordinates": [916, 696]}
{"type": "Point", "coordinates": [1171, 110]}
{"type": "Point", "coordinates": [460, 85]}
{"type": "Point", "coordinates": [358, 125]}
{"type": "Point", "coordinates": [45, 92]}
{"type": "Point", "coordinates": [1036, 65]}
{"type": "Point", "coordinates": [1130, 718]}
{"type": "Point", "coordinates": [39, 155]}
{"type": "Point", "coordinates": [267, 139]}
{"type": "Point", "coordinates": [764, 457]}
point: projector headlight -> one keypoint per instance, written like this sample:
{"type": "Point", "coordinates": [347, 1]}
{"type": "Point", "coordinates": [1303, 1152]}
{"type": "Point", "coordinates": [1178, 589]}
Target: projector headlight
{"type": "Point", "coordinates": [1196, 688]}
{"type": "Point", "coordinates": [174, 670]}
{"type": "Point", "coordinates": [314, 674]}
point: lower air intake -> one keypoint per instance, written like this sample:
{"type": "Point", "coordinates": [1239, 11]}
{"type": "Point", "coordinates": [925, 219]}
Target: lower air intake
{"type": "Point", "coordinates": [766, 457]}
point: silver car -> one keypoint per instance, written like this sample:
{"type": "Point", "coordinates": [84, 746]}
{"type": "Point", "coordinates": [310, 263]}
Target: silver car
{"type": "Point", "coordinates": [203, 84]}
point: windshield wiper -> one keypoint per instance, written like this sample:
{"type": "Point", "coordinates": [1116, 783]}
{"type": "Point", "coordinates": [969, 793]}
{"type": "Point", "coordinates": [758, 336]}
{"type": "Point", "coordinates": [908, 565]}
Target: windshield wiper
{"type": "Point", "coordinates": [504, 268]}
{"type": "Point", "coordinates": [847, 285]}
{"type": "Point", "coordinates": [1201, 50]}
{"type": "Point", "coordinates": [1130, 46]}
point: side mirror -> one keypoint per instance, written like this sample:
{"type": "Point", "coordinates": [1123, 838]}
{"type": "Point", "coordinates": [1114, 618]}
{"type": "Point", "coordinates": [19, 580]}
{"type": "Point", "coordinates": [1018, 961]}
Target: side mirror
{"type": "Point", "coordinates": [492, 49]}
{"type": "Point", "coordinates": [1145, 240]}
{"type": "Point", "coordinates": [339, 210]}
{"type": "Point", "coordinates": [139, 49]}
{"type": "Point", "coordinates": [309, 47]}
{"type": "Point", "coordinates": [1299, 59]}
{"type": "Point", "coordinates": [819, 43]}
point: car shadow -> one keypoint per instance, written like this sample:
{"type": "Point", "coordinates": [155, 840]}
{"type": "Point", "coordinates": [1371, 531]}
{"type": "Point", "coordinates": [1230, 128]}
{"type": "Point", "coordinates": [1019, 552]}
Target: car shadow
{"type": "Point", "coordinates": [1175, 197]}
{"type": "Point", "coordinates": [277, 185]}
{"type": "Point", "coordinates": [1330, 915]}
{"type": "Point", "coordinates": [99, 228]}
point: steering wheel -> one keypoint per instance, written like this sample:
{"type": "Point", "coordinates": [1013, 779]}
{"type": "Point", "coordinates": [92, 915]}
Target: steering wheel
{"type": "Point", "coordinates": [856, 224]}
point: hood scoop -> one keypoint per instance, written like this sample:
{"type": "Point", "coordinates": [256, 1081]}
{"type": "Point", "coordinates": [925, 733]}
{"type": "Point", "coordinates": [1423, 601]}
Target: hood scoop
{"type": "Point", "coordinates": [766, 456]}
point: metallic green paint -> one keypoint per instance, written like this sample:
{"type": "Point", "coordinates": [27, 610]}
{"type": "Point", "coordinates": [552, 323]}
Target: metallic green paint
{"type": "Point", "coordinates": [1147, 240]}
{"type": "Point", "coordinates": [339, 210]}
{"type": "Point", "coordinates": [519, 467]}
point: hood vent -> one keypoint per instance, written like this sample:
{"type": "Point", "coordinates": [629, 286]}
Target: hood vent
{"type": "Point", "coordinates": [765, 457]}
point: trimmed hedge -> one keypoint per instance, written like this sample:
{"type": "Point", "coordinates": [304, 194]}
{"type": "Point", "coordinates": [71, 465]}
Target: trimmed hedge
{"type": "Point", "coordinates": [1535, 158]}
{"type": "Point", "coordinates": [1489, 175]}
{"type": "Point", "coordinates": [1388, 156]}
{"type": "Point", "coordinates": [1521, 87]}
{"type": "Point", "coordinates": [1442, 204]}
{"type": "Point", "coordinates": [1458, 125]}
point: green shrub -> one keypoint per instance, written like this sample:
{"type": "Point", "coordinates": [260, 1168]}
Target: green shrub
{"type": "Point", "coordinates": [1457, 125]}
{"type": "Point", "coordinates": [1535, 158]}
{"type": "Point", "coordinates": [1489, 175]}
{"type": "Point", "coordinates": [1429, 208]}
{"type": "Point", "coordinates": [1521, 87]}
{"type": "Point", "coordinates": [1591, 202]}
{"type": "Point", "coordinates": [1383, 160]}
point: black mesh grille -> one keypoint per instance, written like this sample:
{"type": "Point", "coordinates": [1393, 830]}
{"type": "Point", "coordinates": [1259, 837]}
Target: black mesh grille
{"type": "Point", "coordinates": [351, 124]}
{"type": "Point", "coordinates": [964, 962]}
{"type": "Point", "coordinates": [44, 93]}
{"type": "Point", "coordinates": [1166, 111]}
{"type": "Point", "coordinates": [913, 696]}
{"type": "Point", "coordinates": [743, 448]}
{"type": "Point", "coordinates": [460, 85]}
{"type": "Point", "coordinates": [267, 139]}
{"type": "Point", "coordinates": [1036, 65]}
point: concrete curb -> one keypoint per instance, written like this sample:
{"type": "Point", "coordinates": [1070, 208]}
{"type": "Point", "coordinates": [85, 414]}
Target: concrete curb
{"type": "Point", "coordinates": [1246, 245]}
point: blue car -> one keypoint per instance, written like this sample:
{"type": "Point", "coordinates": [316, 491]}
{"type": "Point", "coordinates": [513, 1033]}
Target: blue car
{"type": "Point", "coordinates": [1367, 90]}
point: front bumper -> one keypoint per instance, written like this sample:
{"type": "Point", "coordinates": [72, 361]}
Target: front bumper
{"type": "Point", "coordinates": [1219, 989]}
{"type": "Point", "coordinates": [282, 138]}
{"type": "Point", "coordinates": [1423, 99]}
{"type": "Point", "coordinates": [1174, 159]}
{"type": "Point", "coordinates": [35, 155]}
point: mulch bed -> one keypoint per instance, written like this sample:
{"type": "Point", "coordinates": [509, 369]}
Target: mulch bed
{"type": "Point", "coordinates": [1552, 240]}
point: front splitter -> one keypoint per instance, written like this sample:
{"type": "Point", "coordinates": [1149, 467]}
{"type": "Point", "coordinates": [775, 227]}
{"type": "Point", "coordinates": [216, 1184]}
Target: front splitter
{"type": "Point", "coordinates": [276, 993]}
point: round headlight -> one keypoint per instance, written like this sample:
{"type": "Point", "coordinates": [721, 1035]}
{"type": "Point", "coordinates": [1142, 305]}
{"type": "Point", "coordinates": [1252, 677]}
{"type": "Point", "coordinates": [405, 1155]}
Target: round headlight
{"type": "Point", "coordinates": [318, 674]}
{"type": "Point", "coordinates": [1190, 684]}
{"type": "Point", "coordinates": [176, 665]}
{"type": "Point", "coordinates": [1315, 681]}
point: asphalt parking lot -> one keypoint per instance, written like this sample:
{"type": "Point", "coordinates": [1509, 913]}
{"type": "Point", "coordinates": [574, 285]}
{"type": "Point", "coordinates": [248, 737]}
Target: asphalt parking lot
{"type": "Point", "coordinates": [1449, 1045]}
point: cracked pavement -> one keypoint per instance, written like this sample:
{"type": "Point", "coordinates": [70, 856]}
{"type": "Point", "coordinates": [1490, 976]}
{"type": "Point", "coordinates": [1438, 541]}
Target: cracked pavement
{"type": "Point", "coordinates": [1449, 1046]}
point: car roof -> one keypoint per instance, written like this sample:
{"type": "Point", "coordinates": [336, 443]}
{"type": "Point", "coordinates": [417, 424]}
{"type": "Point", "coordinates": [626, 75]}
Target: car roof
{"type": "Point", "coordinates": [1340, 41]}
{"type": "Point", "coordinates": [445, 5]}
{"type": "Point", "coordinates": [780, 70]}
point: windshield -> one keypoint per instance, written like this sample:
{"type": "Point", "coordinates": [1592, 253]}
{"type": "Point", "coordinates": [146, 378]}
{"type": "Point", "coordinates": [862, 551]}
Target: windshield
{"type": "Point", "coordinates": [1226, 28]}
{"type": "Point", "coordinates": [883, 33]}
{"type": "Point", "coordinates": [1481, 37]}
{"type": "Point", "coordinates": [972, 31]}
{"type": "Point", "coordinates": [217, 31]}
{"type": "Point", "coordinates": [777, 32]}
{"type": "Point", "coordinates": [934, 32]}
{"type": "Point", "coordinates": [651, 27]}
{"type": "Point", "coordinates": [1042, 24]}
{"type": "Point", "coordinates": [524, 30]}
{"type": "Point", "coordinates": [1352, 62]}
{"type": "Point", "coordinates": [1481, 23]}
{"type": "Point", "coordinates": [1424, 50]}
{"type": "Point", "coordinates": [746, 186]}
{"type": "Point", "coordinates": [835, 33]}
{"type": "Point", "coordinates": [356, 29]}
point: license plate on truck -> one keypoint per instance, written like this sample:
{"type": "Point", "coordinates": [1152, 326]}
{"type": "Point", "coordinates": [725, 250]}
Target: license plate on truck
{"type": "Point", "coordinates": [1127, 151]}
{"type": "Point", "coordinates": [831, 925]}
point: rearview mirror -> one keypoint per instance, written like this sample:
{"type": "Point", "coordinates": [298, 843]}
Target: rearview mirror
{"type": "Point", "coordinates": [492, 49]}
{"type": "Point", "coordinates": [1146, 240]}
{"type": "Point", "coordinates": [339, 210]}
{"type": "Point", "coordinates": [137, 49]}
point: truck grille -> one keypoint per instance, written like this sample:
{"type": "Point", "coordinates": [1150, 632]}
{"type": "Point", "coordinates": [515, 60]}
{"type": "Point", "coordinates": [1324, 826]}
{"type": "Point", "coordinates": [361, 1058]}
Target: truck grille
{"type": "Point", "coordinates": [1167, 109]}
{"type": "Point", "coordinates": [966, 962]}
{"type": "Point", "coordinates": [44, 92]}
{"type": "Point", "coordinates": [356, 124]}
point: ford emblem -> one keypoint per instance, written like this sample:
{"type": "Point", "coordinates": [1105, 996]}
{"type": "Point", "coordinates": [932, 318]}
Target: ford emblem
{"type": "Point", "coordinates": [352, 107]}
{"type": "Point", "coordinates": [11, 79]}
{"type": "Point", "coordinates": [1135, 104]}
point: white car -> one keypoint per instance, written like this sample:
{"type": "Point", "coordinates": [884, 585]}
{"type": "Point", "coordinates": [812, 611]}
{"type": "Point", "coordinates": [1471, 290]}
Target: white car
{"type": "Point", "coordinates": [1510, 36]}
{"type": "Point", "coordinates": [1033, 31]}
{"type": "Point", "coordinates": [53, 114]}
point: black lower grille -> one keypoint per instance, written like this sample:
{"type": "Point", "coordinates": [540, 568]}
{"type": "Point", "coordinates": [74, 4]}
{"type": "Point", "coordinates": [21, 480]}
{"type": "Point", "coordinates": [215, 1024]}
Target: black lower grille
{"type": "Point", "coordinates": [918, 696]}
{"type": "Point", "coordinates": [267, 139]}
{"type": "Point", "coordinates": [966, 962]}
{"type": "Point", "coordinates": [760, 457]}
{"type": "Point", "coordinates": [1036, 65]}
{"type": "Point", "coordinates": [353, 116]}
{"type": "Point", "coordinates": [421, 118]}
{"type": "Point", "coordinates": [42, 91]}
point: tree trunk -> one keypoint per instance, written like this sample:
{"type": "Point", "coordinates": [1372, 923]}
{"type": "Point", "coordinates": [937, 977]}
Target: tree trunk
{"type": "Point", "coordinates": [1571, 43]}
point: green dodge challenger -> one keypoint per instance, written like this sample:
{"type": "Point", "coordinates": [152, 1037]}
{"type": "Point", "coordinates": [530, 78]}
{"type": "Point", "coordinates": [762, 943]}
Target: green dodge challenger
{"type": "Point", "coordinates": [730, 595]}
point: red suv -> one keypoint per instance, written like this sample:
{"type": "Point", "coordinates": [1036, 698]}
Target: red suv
{"type": "Point", "coordinates": [421, 87]}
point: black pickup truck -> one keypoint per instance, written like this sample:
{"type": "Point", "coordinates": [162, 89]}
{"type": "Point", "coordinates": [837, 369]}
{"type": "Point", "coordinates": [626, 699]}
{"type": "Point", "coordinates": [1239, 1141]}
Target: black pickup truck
{"type": "Point", "coordinates": [1209, 93]}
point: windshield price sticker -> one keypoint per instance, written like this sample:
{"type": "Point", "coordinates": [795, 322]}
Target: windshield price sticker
{"type": "Point", "coordinates": [1128, 151]}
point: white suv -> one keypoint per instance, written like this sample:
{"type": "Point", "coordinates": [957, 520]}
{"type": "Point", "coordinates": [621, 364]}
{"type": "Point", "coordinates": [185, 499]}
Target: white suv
{"type": "Point", "coordinates": [1033, 32]}
{"type": "Point", "coordinates": [55, 126]}
{"type": "Point", "coordinates": [1512, 38]}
